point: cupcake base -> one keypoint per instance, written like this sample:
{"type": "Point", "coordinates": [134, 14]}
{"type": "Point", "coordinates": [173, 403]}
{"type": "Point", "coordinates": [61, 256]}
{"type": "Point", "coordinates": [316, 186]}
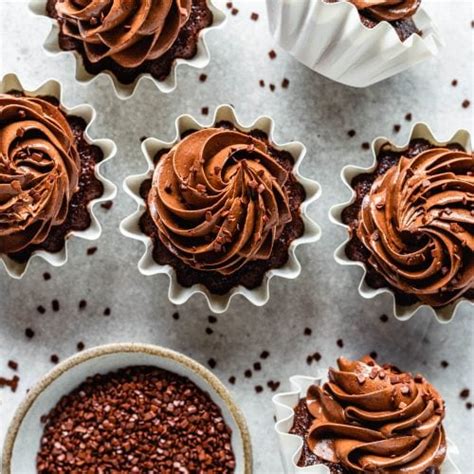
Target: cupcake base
{"type": "Point", "coordinates": [355, 250]}
{"type": "Point", "coordinates": [90, 188]}
{"type": "Point", "coordinates": [404, 28]}
{"type": "Point", "coordinates": [185, 47]}
{"type": "Point", "coordinates": [251, 274]}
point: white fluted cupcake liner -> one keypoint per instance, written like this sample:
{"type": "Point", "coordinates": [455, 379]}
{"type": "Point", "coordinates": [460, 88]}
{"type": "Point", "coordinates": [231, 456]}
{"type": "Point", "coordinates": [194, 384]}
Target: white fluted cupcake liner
{"type": "Point", "coordinates": [125, 91]}
{"type": "Point", "coordinates": [348, 173]}
{"type": "Point", "coordinates": [330, 39]}
{"type": "Point", "coordinates": [130, 227]}
{"type": "Point", "coordinates": [54, 88]}
{"type": "Point", "coordinates": [291, 445]}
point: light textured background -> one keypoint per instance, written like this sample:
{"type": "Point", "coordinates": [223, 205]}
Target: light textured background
{"type": "Point", "coordinates": [313, 110]}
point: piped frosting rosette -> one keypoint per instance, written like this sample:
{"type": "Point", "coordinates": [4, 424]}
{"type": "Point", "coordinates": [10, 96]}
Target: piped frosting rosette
{"type": "Point", "coordinates": [416, 223]}
{"type": "Point", "coordinates": [127, 32]}
{"type": "Point", "coordinates": [218, 200]}
{"type": "Point", "coordinates": [330, 38]}
{"type": "Point", "coordinates": [122, 31]}
{"type": "Point", "coordinates": [364, 418]}
{"type": "Point", "coordinates": [215, 210]}
{"type": "Point", "coordinates": [39, 171]}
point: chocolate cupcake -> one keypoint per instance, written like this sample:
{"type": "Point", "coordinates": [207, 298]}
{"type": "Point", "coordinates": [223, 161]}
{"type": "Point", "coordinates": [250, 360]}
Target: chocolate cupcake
{"type": "Point", "coordinates": [49, 175]}
{"type": "Point", "coordinates": [355, 42]}
{"type": "Point", "coordinates": [223, 207]}
{"type": "Point", "coordinates": [363, 417]}
{"type": "Point", "coordinates": [411, 221]}
{"type": "Point", "coordinates": [398, 13]}
{"type": "Point", "coordinates": [131, 39]}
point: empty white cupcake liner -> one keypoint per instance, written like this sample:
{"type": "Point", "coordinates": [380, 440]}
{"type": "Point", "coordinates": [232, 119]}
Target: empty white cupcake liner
{"type": "Point", "coordinates": [291, 445]}
{"type": "Point", "coordinates": [348, 173]}
{"type": "Point", "coordinates": [53, 88]}
{"type": "Point", "coordinates": [125, 91]}
{"type": "Point", "coordinates": [330, 39]}
{"type": "Point", "coordinates": [130, 227]}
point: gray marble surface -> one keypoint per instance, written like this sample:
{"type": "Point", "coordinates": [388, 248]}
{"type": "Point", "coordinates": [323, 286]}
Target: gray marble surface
{"type": "Point", "coordinates": [324, 298]}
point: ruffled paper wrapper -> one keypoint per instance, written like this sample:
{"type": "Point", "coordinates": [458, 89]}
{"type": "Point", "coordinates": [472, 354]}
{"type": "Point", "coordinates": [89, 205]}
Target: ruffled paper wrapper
{"type": "Point", "coordinates": [125, 91]}
{"type": "Point", "coordinates": [53, 88]}
{"type": "Point", "coordinates": [130, 227]}
{"type": "Point", "coordinates": [291, 445]}
{"type": "Point", "coordinates": [348, 173]}
{"type": "Point", "coordinates": [330, 39]}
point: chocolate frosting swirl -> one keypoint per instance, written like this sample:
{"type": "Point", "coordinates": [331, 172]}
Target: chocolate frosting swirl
{"type": "Point", "coordinates": [128, 31]}
{"type": "Point", "coordinates": [39, 170]}
{"type": "Point", "coordinates": [417, 222]}
{"type": "Point", "coordinates": [388, 10]}
{"type": "Point", "coordinates": [376, 419]}
{"type": "Point", "coordinates": [218, 200]}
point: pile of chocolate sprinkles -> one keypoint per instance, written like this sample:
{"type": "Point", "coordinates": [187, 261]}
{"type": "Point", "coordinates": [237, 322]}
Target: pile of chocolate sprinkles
{"type": "Point", "coordinates": [138, 419]}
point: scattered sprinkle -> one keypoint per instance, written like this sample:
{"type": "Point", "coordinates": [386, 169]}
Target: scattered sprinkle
{"type": "Point", "coordinates": [408, 117]}
{"type": "Point", "coordinates": [234, 11]}
{"type": "Point", "coordinates": [107, 312]}
{"type": "Point", "coordinates": [29, 333]}
{"type": "Point", "coordinates": [41, 309]}
{"type": "Point", "coordinates": [262, 83]}
{"type": "Point", "coordinates": [205, 111]}
{"type": "Point", "coordinates": [232, 380]}
{"type": "Point", "coordinates": [264, 355]}
{"type": "Point", "coordinates": [212, 363]}
{"type": "Point", "coordinates": [82, 304]}
{"type": "Point", "coordinates": [272, 54]}
{"type": "Point", "coordinates": [80, 346]}
{"type": "Point", "coordinates": [107, 205]}
{"type": "Point", "coordinates": [254, 16]}
{"type": "Point", "coordinates": [351, 133]}
{"type": "Point", "coordinates": [209, 331]}
{"type": "Point", "coordinates": [91, 250]}
{"type": "Point", "coordinates": [366, 146]}
{"type": "Point", "coordinates": [384, 318]}
{"type": "Point", "coordinates": [285, 83]}
{"type": "Point", "coordinates": [444, 364]}
{"type": "Point", "coordinates": [248, 373]}
{"type": "Point", "coordinates": [47, 276]}
{"type": "Point", "coordinates": [466, 103]}
{"type": "Point", "coordinates": [464, 393]}
{"type": "Point", "coordinates": [258, 388]}
{"type": "Point", "coordinates": [454, 82]}
{"type": "Point", "coordinates": [340, 343]}
{"type": "Point", "coordinates": [257, 366]}
{"type": "Point", "coordinates": [54, 358]}
{"type": "Point", "coordinates": [272, 87]}
{"type": "Point", "coordinates": [397, 127]}
{"type": "Point", "coordinates": [212, 319]}
{"type": "Point", "coordinates": [55, 305]}
{"type": "Point", "coordinates": [203, 77]}
{"type": "Point", "coordinates": [13, 365]}
{"type": "Point", "coordinates": [175, 316]}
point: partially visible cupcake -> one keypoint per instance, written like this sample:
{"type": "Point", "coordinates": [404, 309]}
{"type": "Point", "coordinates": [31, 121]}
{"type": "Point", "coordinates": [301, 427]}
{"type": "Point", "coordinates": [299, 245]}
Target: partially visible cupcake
{"type": "Point", "coordinates": [399, 13]}
{"type": "Point", "coordinates": [221, 209]}
{"type": "Point", "coordinates": [354, 42]}
{"type": "Point", "coordinates": [48, 175]}
{"type": "Point", "coordinates": [412, 223]}
{"type": "Point", "coordinates": [371, 418]}
{"type": "Point", "coordinates": [133, 38]}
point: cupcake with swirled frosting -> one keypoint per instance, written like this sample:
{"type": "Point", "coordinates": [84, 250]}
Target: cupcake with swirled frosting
{"type": "Point", "coordinates": [47, 175]}
{"type": "Point", "coordinates": [372, 418]}
{"type": "Point", "coordinates": [222, 208]}
{"type": "Point", "coordinates": [412, 223]}
{"type": "Point", "coordinates": [132, 37]}
{"type": "Point", "coordinates": [399, 13]}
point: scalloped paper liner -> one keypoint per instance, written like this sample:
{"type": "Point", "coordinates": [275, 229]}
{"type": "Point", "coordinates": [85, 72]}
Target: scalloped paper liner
{"type": "Point", "coordinates": [330, 39]}
{"type": "Point", "coordinates": [25, 429]}
{"type": "Point", "coordinates": [291, 445]}
{"type": "Point", "coordinates": [125, 91]}
{"type": "Point", "coordinates": [218, 303]}
{"type": "Point", "coordinates": [54, 88]}
{"type": "Point", "coordinates": [403, 313]}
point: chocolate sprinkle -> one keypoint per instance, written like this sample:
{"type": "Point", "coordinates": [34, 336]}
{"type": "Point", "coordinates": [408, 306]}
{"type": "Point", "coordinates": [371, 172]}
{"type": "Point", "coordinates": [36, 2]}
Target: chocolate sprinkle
{"type": "Point", "coordinates": [464, 393]}
{"type": "Point", "coordinates": [264, 355]}
{"type": "Point", "coordinates": [13, 365]}
{"type": "Point", "coordinates": [212, 363]}
{"type": "Point", "coordinates": [29, 333]}
{"type": "Point", "coordinates": [272, 54]}
{"type": "Point", "coordinates": [307, 331]}
{"type": "Point", "coordinates": [41, 309]}
{"type": "Point", "coordinates": [55, 305]}
{"type": "Point", "coordinates": [340, 343]}
{"type": "Point", "coordinates": [47, 276]}
{"type": "Point", "coordinates": [91, 250]}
